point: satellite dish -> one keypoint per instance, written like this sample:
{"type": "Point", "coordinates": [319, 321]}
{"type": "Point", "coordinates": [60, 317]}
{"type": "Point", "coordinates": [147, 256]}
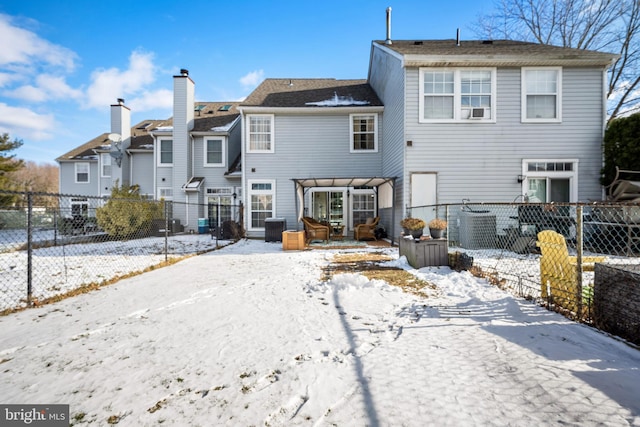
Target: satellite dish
{"type": "Point", "coordinates": [114, 137]}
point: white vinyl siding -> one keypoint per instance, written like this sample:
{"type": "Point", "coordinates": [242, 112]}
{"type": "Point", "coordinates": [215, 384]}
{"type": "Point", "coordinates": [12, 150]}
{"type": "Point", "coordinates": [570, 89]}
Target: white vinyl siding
{"type": "Point", "coordinates": [457, 95]}
{"type": "Point", "coordinates": [363, 133]}
{"type": "Point", "coordinates": [82, 173]}
{"type": "Point", "coordinates": [453, 149]}
{"type": "Point", "coordinates": [260, 133]}
{"type": "Point", "coordinates": [542, 94]}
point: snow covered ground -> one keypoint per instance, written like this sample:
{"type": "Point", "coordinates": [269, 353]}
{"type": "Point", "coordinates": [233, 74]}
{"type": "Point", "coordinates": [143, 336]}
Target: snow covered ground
{"type": "Point", "coordinates": [250, 335]}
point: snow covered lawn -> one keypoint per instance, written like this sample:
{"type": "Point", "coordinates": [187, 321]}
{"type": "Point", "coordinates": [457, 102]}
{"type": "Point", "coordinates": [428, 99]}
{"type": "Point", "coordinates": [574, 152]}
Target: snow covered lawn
{"type": "Point", "coordinates": [250, 335]}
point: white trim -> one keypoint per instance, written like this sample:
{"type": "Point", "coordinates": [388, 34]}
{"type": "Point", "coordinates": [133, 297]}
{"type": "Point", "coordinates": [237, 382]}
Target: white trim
{"type": "Point", "coordinates": [523, 95]}
{"type": "Point", "coordinates": [223, 151]}
{"type": "Point", "coordinates": [104, 163]}
{"type": "Point", "coordinates": [75, 172]}
{"type": "Point", "coordinates": [158, 147]}
{"type": "Point", "coordinates": [375, 134]}
{"type": "Point", "coordinates": [572, 175]}
{"type": "Point", "coordinates": [251, 192]}
{"type": "Point", "coordinates": [459, 115]}
{"type": "Point", "coordinates": [165, 197]}
{"type": "Point", "coordinates": [272, 133]}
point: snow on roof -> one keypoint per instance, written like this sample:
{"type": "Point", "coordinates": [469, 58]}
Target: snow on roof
{"type": "Point", "coordinates": [337, 101]}
{"type": "Point", "coordinates": [164, 129]}
{"type": "Point", "coordinates": [224, 128]}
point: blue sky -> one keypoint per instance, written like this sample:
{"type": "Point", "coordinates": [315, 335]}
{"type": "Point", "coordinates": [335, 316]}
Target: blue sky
{"type": "Point", "coordinates": [62, 63]}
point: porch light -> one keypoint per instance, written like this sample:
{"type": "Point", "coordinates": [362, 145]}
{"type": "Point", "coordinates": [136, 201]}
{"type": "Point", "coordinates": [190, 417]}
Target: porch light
{"type": "Point", "coordinates": [521, 178]}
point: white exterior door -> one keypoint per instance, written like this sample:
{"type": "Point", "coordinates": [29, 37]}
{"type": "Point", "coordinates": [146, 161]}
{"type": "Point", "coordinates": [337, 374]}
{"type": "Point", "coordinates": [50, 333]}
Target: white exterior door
{"type": "Point", "coordinates": [423, 193]}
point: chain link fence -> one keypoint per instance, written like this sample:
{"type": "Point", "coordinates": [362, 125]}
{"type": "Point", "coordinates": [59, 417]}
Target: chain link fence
{"type": "Point", "coordinates": [52, 245]}
{"type": "Point", "coordinates": [547, 252]}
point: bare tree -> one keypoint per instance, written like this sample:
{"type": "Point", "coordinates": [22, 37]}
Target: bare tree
{"type": "Point", "coordinates": [603, 25]}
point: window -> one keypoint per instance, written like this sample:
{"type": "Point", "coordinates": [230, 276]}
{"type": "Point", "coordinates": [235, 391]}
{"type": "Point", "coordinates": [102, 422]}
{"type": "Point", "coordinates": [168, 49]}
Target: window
{"type": "Point", "coordinates": [364, 205]}
{"type": "Point", "coordinates": [260, 133]}
{"type": "Point", "coordinates": [364, 132]}
{"type": "Point", "coordinates": [451, 95]}
{"type": "Point", "coordinates": [541, 94]}
{"type": "Point", "coordinates": [79, 207]}
{"type": "Point", "coordinates": [261, 202]}
{"type": "Point", "coordinates": [105, 162]}
{"type": "Point", "coordinates": [221, 205]}
{"type": "Point", "coordinates": [82, 173]}
{"type": "Point", "coordinates": [165, 152]}
{"type": "Point", "coordinates": [165, 193]}
{"type": "Point", "coordinates": [551, 180]}
{"type": "Point", "coordinates": [213, 152]}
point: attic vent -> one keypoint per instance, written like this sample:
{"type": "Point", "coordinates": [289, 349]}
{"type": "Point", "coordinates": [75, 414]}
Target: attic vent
{"type": "Point", "coordinates": [226, 107]}
{"type": "Point", "coordinates": [418, 42]}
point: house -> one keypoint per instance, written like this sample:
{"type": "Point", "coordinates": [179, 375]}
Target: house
{"type": "Point", "coordinates": [490, 120]}
{"type": "Point", "coordinates": [435, 122]}
{"type": "Point", "coordinates": [192, 157]}
{"type": "Point", "coordinates": [312, 148]}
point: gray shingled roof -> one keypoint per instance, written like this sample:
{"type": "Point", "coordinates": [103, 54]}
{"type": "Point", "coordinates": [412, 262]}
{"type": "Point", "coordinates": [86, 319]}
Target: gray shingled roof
{"type": "Point", "coordinates": [311, 93]}
{"type": "Point", "coordinates": [500, 52]}
{"type": "Point", "coordinates": [207, 118]}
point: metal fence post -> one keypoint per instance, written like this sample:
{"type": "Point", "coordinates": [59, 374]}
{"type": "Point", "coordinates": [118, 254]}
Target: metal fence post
{"type": "Point", "coordinates": [166, 230]}
{"type": "Point", "coordinates": [579, 259]}
{"type": "Point", "coordinates": [29, 246]}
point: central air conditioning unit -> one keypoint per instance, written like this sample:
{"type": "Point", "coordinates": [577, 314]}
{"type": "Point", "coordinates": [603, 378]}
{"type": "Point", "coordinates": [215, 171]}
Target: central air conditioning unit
{"type": "Point", "coordinates": [477, 230]}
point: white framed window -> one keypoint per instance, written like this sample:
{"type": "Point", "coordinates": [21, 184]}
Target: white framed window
{"type": "Point", "coordinates": [79, 207]}
{"type": "Point", "coordinates": [82, 172]}
{"type": "Point", "coordinates": [541, 94]}
{"type": "Point", "coordinates": [363, 133]}
{"type": "Point", "coordinates": [260, 133]}
{"type": "Point", "coordinates": [221, 205]}
{"type": "Point", "coordinates": [363, 205]}
{"type": "Point", "coordinates": [550, 180]}
{"type": "Point", "coordinates": [105, 165]}
{"type": "Point", "coordinates": [214, 152]}
{"type": "Point", "coordinates": [262, 195]}
{"type": "Point", "coordinates": [457, 95]}
{"type": "Point", "coordinates": [165, 152]}
{"type": "Point", "coordinates": [165, 193]}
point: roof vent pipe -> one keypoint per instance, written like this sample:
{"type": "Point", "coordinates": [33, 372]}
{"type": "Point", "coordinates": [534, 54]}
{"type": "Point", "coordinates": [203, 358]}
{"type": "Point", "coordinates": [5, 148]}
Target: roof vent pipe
{"type": "Point", "coordinates": [458, 37]}
{"type": "Point", "coordinates": [388, 40]}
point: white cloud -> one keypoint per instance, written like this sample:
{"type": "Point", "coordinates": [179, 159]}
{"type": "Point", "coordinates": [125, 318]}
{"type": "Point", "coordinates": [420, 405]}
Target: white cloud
{"type": "Point", "coordinates": [23, 123]}
{"type": "Point", "coordinates": [109, 84]}
{"type": "Point", "coordinates": [157, 99]}
{"type": "Point", "coordinates": [21, 46]}
{"type": "Point", "coordinates": [48, 87]}
{"type": "Point", "coordinates": [253, 78]}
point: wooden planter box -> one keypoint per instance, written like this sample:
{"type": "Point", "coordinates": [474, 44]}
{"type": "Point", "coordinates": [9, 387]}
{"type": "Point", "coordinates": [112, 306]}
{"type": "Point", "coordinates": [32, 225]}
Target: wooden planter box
{"type": "Point", "coordinates": [292, 240]}
{"type": "Point", "coordinates": [424, 253]}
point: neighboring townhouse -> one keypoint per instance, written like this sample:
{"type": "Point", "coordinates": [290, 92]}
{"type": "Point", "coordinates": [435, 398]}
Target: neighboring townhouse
{"type": "Point", "coordinates": [490, 120]}
{"type": "Point", "coordinates": [193, 157]}
{"type": "Point", "coordinates": [311, 148]}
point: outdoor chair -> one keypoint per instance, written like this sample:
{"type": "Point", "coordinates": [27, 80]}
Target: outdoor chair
{"type": "Point", "coordinates": [366, 230]}
{"type": "Point", "coordinates": [559, 270]}
{"type": "Point", "coordinates": [315, 230]}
